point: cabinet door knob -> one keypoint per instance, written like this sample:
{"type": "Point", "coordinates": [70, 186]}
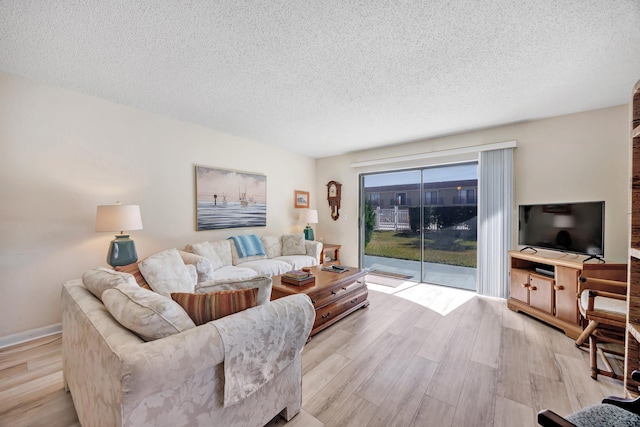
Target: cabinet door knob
{"type": "Point", "coordinates": [525, 285]}
{"type": "Point", "coordinates": [558, 287]}
{"type": "Point", "coordinates": [326, 315]}
{"type": "Point", "coordinates": [333, 293]}
{"type": "Point", "coordinates": [313, 301]}
{"type": "Point", "coordinates": [355, 300]}
{"type": "Point", "coordinates": [533, 288]}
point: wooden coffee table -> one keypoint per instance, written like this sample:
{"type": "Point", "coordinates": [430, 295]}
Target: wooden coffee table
{"type": "Point", "coordinates": [334, 295]}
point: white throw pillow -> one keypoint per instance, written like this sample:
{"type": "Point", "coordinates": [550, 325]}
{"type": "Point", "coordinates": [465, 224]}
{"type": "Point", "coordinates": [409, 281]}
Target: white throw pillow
{"type": "Point", "coordinates": [206, 250]}
{"type": "Point", "coordinates": [203, 266]}
{"type": "Point", "coordinates": [165, 272]}
{"type": "Point", "coordinates": [272, 245]}
{"type": "Point", "coordinates": [293, 244]}
{"type": "Point", "coordinates": [146, 313]}
{"type": "Point", "coordinates": [100, 279]}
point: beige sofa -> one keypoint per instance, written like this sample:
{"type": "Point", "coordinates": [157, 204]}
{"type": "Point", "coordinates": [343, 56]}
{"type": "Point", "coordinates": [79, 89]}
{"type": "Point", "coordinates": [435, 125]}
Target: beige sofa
{"type": "Point", "coordinates": [220, 259]}
{"type": "Point", "coordinates": [187, 378]}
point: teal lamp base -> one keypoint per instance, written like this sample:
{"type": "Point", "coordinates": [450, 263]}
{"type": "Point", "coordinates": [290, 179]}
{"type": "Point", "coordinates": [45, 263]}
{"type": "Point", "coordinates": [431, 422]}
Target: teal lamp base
{"type": "Point", "coordinates": [308, 233]}
{"type": "Point", "coordinates": [122, 251]}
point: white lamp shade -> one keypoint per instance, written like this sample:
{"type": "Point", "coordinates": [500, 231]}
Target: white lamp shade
{"type": "Point", "coordinates": [118, 218]}
{"type": "Point", "coordinates": [310, 216]}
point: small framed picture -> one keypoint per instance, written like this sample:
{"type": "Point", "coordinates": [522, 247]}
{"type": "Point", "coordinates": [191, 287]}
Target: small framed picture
{"type": "Point", "coordinates": [300, 199]}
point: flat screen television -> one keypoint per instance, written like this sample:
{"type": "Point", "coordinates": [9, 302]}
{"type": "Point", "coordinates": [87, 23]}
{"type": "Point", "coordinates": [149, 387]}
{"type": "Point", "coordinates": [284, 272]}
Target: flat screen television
{"type": "Point", "coordinates": [568, 227]}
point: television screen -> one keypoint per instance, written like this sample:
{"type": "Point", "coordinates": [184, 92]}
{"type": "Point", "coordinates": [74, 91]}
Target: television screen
{"type": "Point", "coordinates": [568, 227]}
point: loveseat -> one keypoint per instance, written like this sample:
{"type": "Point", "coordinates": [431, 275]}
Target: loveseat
{"type": "Point", "coordinates": [244, 257]}
{"type": "Point", "coordinates": [154, 366]}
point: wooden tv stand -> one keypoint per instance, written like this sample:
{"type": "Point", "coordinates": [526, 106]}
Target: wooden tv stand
{"type": "Point", "coordinates": [554, 298]}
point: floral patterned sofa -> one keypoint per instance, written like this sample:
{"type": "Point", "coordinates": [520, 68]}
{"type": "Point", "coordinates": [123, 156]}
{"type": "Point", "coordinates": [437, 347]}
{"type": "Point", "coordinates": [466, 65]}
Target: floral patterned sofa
{"type": "Point", "coordinates": [224, 260]}
{"type": "Point", "coordinates": [132, 357]}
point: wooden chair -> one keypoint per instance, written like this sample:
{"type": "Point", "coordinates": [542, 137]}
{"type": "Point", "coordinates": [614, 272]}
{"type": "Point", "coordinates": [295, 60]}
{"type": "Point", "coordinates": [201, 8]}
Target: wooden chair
{"type": "Point", "coordinates": [603, 304]}
{"type": "Point", "coordinates": [612, 412]}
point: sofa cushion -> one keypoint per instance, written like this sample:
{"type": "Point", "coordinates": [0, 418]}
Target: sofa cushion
{"type": "Point", "coordinates": [134, 270]}
{"type": "Point", "coordinates": [232, 272]}
{"type": "Point", "coordinates": [272, 246]}
{"type": "Point", "coordinates": [203, 308]}
{"type": "Point", "coordinates": [100, 279]}
{"type": "Point", "coordinates": [293, 244]}
{"type": "Point", "coordinates": [269, 267]}
{"type": "Point", "coordinates": [146, 313]}
{"type": "Point", "coordinates": [206, 250]}
{"type": "Point", "coordinates": [166, 272]}
{"type": "Point", "coordinates": [298, 261]}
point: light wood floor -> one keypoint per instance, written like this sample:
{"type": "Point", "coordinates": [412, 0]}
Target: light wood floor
{"type": "Point", "coordinates": [423, 356]}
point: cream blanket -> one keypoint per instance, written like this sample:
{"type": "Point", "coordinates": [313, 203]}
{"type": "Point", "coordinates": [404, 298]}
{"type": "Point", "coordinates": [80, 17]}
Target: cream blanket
{"type": "Point", "coordinates": [261, 342]}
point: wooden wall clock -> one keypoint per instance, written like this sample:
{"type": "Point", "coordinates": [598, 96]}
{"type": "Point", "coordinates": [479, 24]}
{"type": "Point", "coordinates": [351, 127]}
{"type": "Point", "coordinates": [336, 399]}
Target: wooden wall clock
{"type": "Point", "coordinates": [333, 197]}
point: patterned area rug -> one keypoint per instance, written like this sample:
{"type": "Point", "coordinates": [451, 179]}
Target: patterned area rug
{"type": "Point", "coordinates": [386, 279]}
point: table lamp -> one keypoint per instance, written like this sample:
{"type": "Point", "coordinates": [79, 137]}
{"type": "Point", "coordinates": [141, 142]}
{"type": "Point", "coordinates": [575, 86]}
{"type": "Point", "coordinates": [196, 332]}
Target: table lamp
{"type": "Point", "coordinates": [122, 250]}
{"type": "Point", "coordinates": [310, 216]}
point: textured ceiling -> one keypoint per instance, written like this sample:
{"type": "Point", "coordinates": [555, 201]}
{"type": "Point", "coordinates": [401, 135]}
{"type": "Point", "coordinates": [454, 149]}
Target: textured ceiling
{"type": "Point", "coordinates": [327, 77]}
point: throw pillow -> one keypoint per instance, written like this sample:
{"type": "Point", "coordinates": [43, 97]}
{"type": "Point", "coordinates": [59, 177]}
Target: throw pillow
{"type": "Point", "coordinates": [146, 313]}
{"type": "Point", "coordinates": [272, 246]}
{"type": "Point", "coordinates": [203, 308]}
{"type": "Point", "coordinates": [134, 270]}
{"type": "Point", "coordinates": [205, 249]}
{"type": "Point", "coordinates": [100, 279]}
{"type": "Point", "coordinates": [263, 283]}
{"type": "Point", "coordinates": [293, 244]}
{"type": "Point", "coordinates": [203, 266]}
{"type": "Point", "coordinates": [166, 272]}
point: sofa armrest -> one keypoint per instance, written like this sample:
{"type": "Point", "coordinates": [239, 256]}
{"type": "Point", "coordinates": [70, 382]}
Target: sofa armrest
{"type": "Point", "coordinates": [263, 283]}
{"type": "Point", "coordinates": [313, 249]}
{"type": "Point", "coordinates": [158, 364]}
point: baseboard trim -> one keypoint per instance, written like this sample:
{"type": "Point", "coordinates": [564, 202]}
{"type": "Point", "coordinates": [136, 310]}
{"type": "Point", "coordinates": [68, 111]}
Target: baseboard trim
{"type": "Point", "coordinates": [22, 337]}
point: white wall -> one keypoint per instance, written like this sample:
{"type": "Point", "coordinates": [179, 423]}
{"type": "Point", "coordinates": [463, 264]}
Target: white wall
{"type": "Point", "coordinates": [578, 157]}
{"type": "Point", "coordinates": [63, 153]}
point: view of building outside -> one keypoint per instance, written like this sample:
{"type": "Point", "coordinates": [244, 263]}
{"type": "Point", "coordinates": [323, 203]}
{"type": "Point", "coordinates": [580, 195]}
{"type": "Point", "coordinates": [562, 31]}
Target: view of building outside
{"type": "Point", "coordinates": [426, 218]}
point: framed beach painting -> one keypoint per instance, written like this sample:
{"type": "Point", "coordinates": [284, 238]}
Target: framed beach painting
{"type": "Point", "coordinates": [229, 199]}
{"type": "Point", "coordinates": [300, 199]}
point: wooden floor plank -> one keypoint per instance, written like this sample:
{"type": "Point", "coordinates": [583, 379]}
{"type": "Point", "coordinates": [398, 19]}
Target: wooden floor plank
{"type": "Point", "coordinates": [334, 394]}
{"type": "Point", "coordinates": [315, 380]}
{"type": "Point", "coordinates": [514, 380]}
{"type": "Point", "coordinates": [406, 396]}
{"type": "Point", "coordinates": [433, 412]}
{"type": "Point", "coordinates": [478, 396]}
{"type": "Point", "coordinates": [508, 410]}
{"type": "Point", "coordinates": [378, 386]}
{"type": "Point", "coordinates": [322, 346]}
{"type": "Point", "coordinates": [549, 394]}
{"type": "Point", "coordinates": [486, 349]}
{"type": "Point", "coordinates": [450, 376]}
{"type": "Point", "coordinates": [355, 412]}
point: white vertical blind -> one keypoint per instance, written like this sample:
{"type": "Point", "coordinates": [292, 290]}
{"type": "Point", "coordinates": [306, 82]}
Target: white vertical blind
{"type": "Point", "coordinates": [495, 213]}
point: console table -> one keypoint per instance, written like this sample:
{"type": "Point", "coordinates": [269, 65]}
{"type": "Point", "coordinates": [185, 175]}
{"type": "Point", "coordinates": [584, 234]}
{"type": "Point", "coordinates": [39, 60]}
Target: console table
{"type": "Point", "coordinates": [545, 285]}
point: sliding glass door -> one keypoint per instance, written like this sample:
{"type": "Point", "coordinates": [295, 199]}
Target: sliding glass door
{"type": "Point", "coordinates": [421, 224]}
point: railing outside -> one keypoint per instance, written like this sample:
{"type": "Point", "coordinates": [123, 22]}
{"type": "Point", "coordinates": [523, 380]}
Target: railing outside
{"type": "Point", "coordinates": [392, 219]}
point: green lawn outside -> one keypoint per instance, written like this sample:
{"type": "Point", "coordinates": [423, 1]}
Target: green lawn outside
{"type": "Point", "coordinates": [440, 247]}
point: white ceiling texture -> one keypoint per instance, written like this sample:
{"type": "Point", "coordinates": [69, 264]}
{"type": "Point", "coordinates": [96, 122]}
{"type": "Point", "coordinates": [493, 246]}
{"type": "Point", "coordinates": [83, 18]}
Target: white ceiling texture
{"type": "Point", "coordinates": [328, 77]}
